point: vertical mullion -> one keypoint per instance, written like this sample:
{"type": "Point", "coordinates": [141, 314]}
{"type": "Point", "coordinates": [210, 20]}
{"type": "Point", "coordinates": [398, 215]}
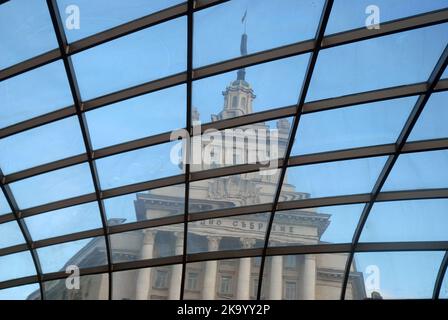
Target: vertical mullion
{"type": "Point", "coordinates": [74, 88]}
{"type": "Point", "coordinates": [401, 141]}
{"type": "Point", "coordinates": [190, 10]}
{"type": "Point", "coordinates": [302, 97]}
{"type": "Point", "coordinates": [26, 235]}
{"type": "Point", "coordinates": [440, 277]}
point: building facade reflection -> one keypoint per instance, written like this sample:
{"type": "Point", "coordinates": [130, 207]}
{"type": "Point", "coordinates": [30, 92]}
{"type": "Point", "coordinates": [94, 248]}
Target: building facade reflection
{"type": "Point", "coordinates": [307, 277]}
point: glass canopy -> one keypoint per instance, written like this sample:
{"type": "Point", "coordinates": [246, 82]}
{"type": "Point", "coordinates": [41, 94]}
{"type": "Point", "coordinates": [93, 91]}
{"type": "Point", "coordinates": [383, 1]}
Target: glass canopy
{"type": "Point", "coordinates": [210, 149]}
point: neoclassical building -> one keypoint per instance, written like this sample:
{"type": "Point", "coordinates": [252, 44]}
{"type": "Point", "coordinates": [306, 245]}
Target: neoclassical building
{"type": "Point", "coordinates": [285, 277]}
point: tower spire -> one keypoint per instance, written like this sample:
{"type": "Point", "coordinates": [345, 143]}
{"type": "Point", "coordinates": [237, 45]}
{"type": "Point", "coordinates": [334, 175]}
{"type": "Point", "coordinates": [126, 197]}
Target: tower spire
{"type": "Point", "coordinates": [241, 75]}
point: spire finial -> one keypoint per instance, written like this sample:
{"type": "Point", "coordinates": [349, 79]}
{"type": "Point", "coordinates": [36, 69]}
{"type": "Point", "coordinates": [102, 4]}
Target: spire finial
{"type": "Point", "coordinates": [243, 47]}
{"type": "Point", "coordinates": [244, 21]}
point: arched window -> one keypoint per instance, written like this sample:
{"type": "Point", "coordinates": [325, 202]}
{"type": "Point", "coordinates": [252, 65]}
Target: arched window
{"type": "Point", "coordinates": [243, 102]}
{"type": "Point", "coordinates": [235, 102]}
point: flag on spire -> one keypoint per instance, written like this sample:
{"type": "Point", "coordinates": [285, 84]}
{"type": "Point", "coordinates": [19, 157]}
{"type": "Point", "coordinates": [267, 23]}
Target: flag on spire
{"type": "Point", "coordinates": [244, 16]}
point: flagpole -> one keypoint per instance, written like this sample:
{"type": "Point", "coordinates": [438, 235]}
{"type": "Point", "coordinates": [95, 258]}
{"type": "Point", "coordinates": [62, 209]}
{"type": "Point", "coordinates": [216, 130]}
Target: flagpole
{"type": "Point", "coordinates": [244, 20]}
{"type": "Point", "coordinates": [245, 23]}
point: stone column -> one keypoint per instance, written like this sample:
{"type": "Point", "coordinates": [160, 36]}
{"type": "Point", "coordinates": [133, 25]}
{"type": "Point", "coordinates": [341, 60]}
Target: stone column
{"type": "Point", "coordinates": [176, 273]}
{"type": "Point", "coordinates": [144, 275]}
{"type": "Point", "coordinates": [104, 287]}
{"type": "Point", "coordinates": [244, 271]}
{"type": "Point", "coordinates": [309, 277]}
{"type": "Point", "coordinates": [209, 286]}
{"type": "Point", "coordinates": [276, 278]}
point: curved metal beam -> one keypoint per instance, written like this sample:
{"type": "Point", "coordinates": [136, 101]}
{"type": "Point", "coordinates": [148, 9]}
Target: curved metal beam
{"type": "Point", "coordinates": [400, 143]}
{"type": "Point", "coordinates": [302, 97]}
{"type": "Point", "coordinates": [76, 95]}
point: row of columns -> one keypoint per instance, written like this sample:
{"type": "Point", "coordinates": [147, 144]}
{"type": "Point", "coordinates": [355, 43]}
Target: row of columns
{"type": "Point", "coordinates": [143, 287]}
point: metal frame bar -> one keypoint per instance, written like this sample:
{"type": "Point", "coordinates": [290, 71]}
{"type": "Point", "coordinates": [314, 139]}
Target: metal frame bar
{"type": "Point", "coordinates": [440, 276]}
{"type": "Point", "coordinates": [190, 27]}
{"type": "Point", "coordinates": [325, 16]}
{"type": "Point", "coordinates": [391, 27]}
{"type": "Point", "coordinates": [63, 48]}
{"type": "Point", "coordinates": [400, 143]}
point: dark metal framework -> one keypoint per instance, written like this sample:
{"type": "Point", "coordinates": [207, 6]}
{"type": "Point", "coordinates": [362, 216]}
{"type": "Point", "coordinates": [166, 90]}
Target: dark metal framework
{"type": "Point", "coordinates": [313, 46]}
{"type": "Point", "coordinates": [302, 97]}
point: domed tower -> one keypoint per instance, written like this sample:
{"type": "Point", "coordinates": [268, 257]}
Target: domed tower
{"type": "Point", "coordinates": [239, 95]}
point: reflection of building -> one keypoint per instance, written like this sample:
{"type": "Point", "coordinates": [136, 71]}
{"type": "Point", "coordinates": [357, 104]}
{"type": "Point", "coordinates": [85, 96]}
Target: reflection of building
{"type": "Point", "coordinates": [289, 277]}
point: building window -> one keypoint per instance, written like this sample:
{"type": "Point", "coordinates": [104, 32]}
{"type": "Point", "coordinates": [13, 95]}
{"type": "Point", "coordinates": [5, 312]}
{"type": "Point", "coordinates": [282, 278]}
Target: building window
{"type": "Point", "coordinates": [290, 290]}
{"type": "Point", "coordinates": [254, 287]}
{"type": "Point", "coordinates": [243, 102]}
{"type": "Point", "coordinates": [164, 247]}
{"type": "Point", "coordinates": [228, 262]}
{"type": "Point", "coordinates": [290, 262]}
{"type": "Point", "coordinates": [161, 281]}
{"type": "Point", "coordinates": [235, 102]}
{"type": "Point", "coordinates": [225, 285]}
{"type": "Point", "coordinates": [215, 156]}
{"type": "Point", "coordinates": [257, 261]}
{"type": "Point", "coordinates": [192, 281]}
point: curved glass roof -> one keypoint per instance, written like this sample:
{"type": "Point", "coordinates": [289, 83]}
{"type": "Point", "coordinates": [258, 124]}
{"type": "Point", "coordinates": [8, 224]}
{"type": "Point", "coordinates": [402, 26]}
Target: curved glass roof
{"type": "Point", "coordinates": [215, 149]}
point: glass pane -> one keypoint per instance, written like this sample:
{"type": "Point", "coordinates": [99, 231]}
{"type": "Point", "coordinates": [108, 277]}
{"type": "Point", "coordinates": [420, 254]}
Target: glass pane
{"type": "Point", "coordinates": [157, 283]}
{"type": "Point", "coordinates": [394, 60]}
{"type": "Point", "coordinates": [83, 254]}
{"type": "Point", "coordinates": [23, 266]}
{"type": "Point", "coordinates": [148, 243]}
{"type": "Point", "coordinates": [139, 117]}
{"type": "Point", "coordinates": [423, 170]}
{"type": "Point", "coordinates": [137, 166]}
{"type": "Point", "coordinates": [335, 224]}
{"type": "Point", "coordinates": [263, 143]}
{"type": "Point", "coordinates": [64, 221]}
{"type": "Point", "coordinates": [444, 289]}
{"type": "Point", "coordinates": [331, 179]}
{"type": "Point", "coordinates": [26, 292]}
{"type": "Point", "coordinates": [48, 143]}
{"type": "Point", "coordinates": [233, 191]}
{"type": "Point", "coordinates": [352, 14]}
{"type": "Point", "coordinates": [351, 127]}
{"type": "Point", "coordinates": [4, 206]}
{"type": "Point", "coordinates": [26, 31]}
{"type": "Point", "coordinates": [10, 234]}
{"type": "Point", "coordinates": [146, 205]}
{"type": "Point", "coordinates": [91, 287]}
{"type": "Point", "coordinates": [230, 279]}
{"type": "Point", "coordinates": [139, 57]}
{"type": "Point", "coordinates": [230, 233]}
{"type": "Point", "coordinates": [397, 275]}
{"type": "Point", "coordinates": [306, 277]}
{"type": "Point", "coordinates": [46, 89]}
{"type": "Point", "coordinates": [218, 29]}
{"type": "Point", "coordinates": [92, 14]}
{"type": "Point", "coordinates": [418, 220]}
{"type": "Point", "coordinates": [256, 91]}
{"type": "Point", "coordinates": [53, 186]}
{"type": "Point", "coordinates": [432, 123]}
{"type": "Point", "coordinates": [445, 74]}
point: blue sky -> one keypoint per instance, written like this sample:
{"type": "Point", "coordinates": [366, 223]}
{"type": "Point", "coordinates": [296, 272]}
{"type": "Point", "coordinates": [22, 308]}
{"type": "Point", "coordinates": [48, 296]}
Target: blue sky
{"type": "Point", "coordinates": [161, 51]}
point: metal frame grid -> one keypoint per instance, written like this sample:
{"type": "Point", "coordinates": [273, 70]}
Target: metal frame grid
{"type": "Point", "coordinates": [65, 51]}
